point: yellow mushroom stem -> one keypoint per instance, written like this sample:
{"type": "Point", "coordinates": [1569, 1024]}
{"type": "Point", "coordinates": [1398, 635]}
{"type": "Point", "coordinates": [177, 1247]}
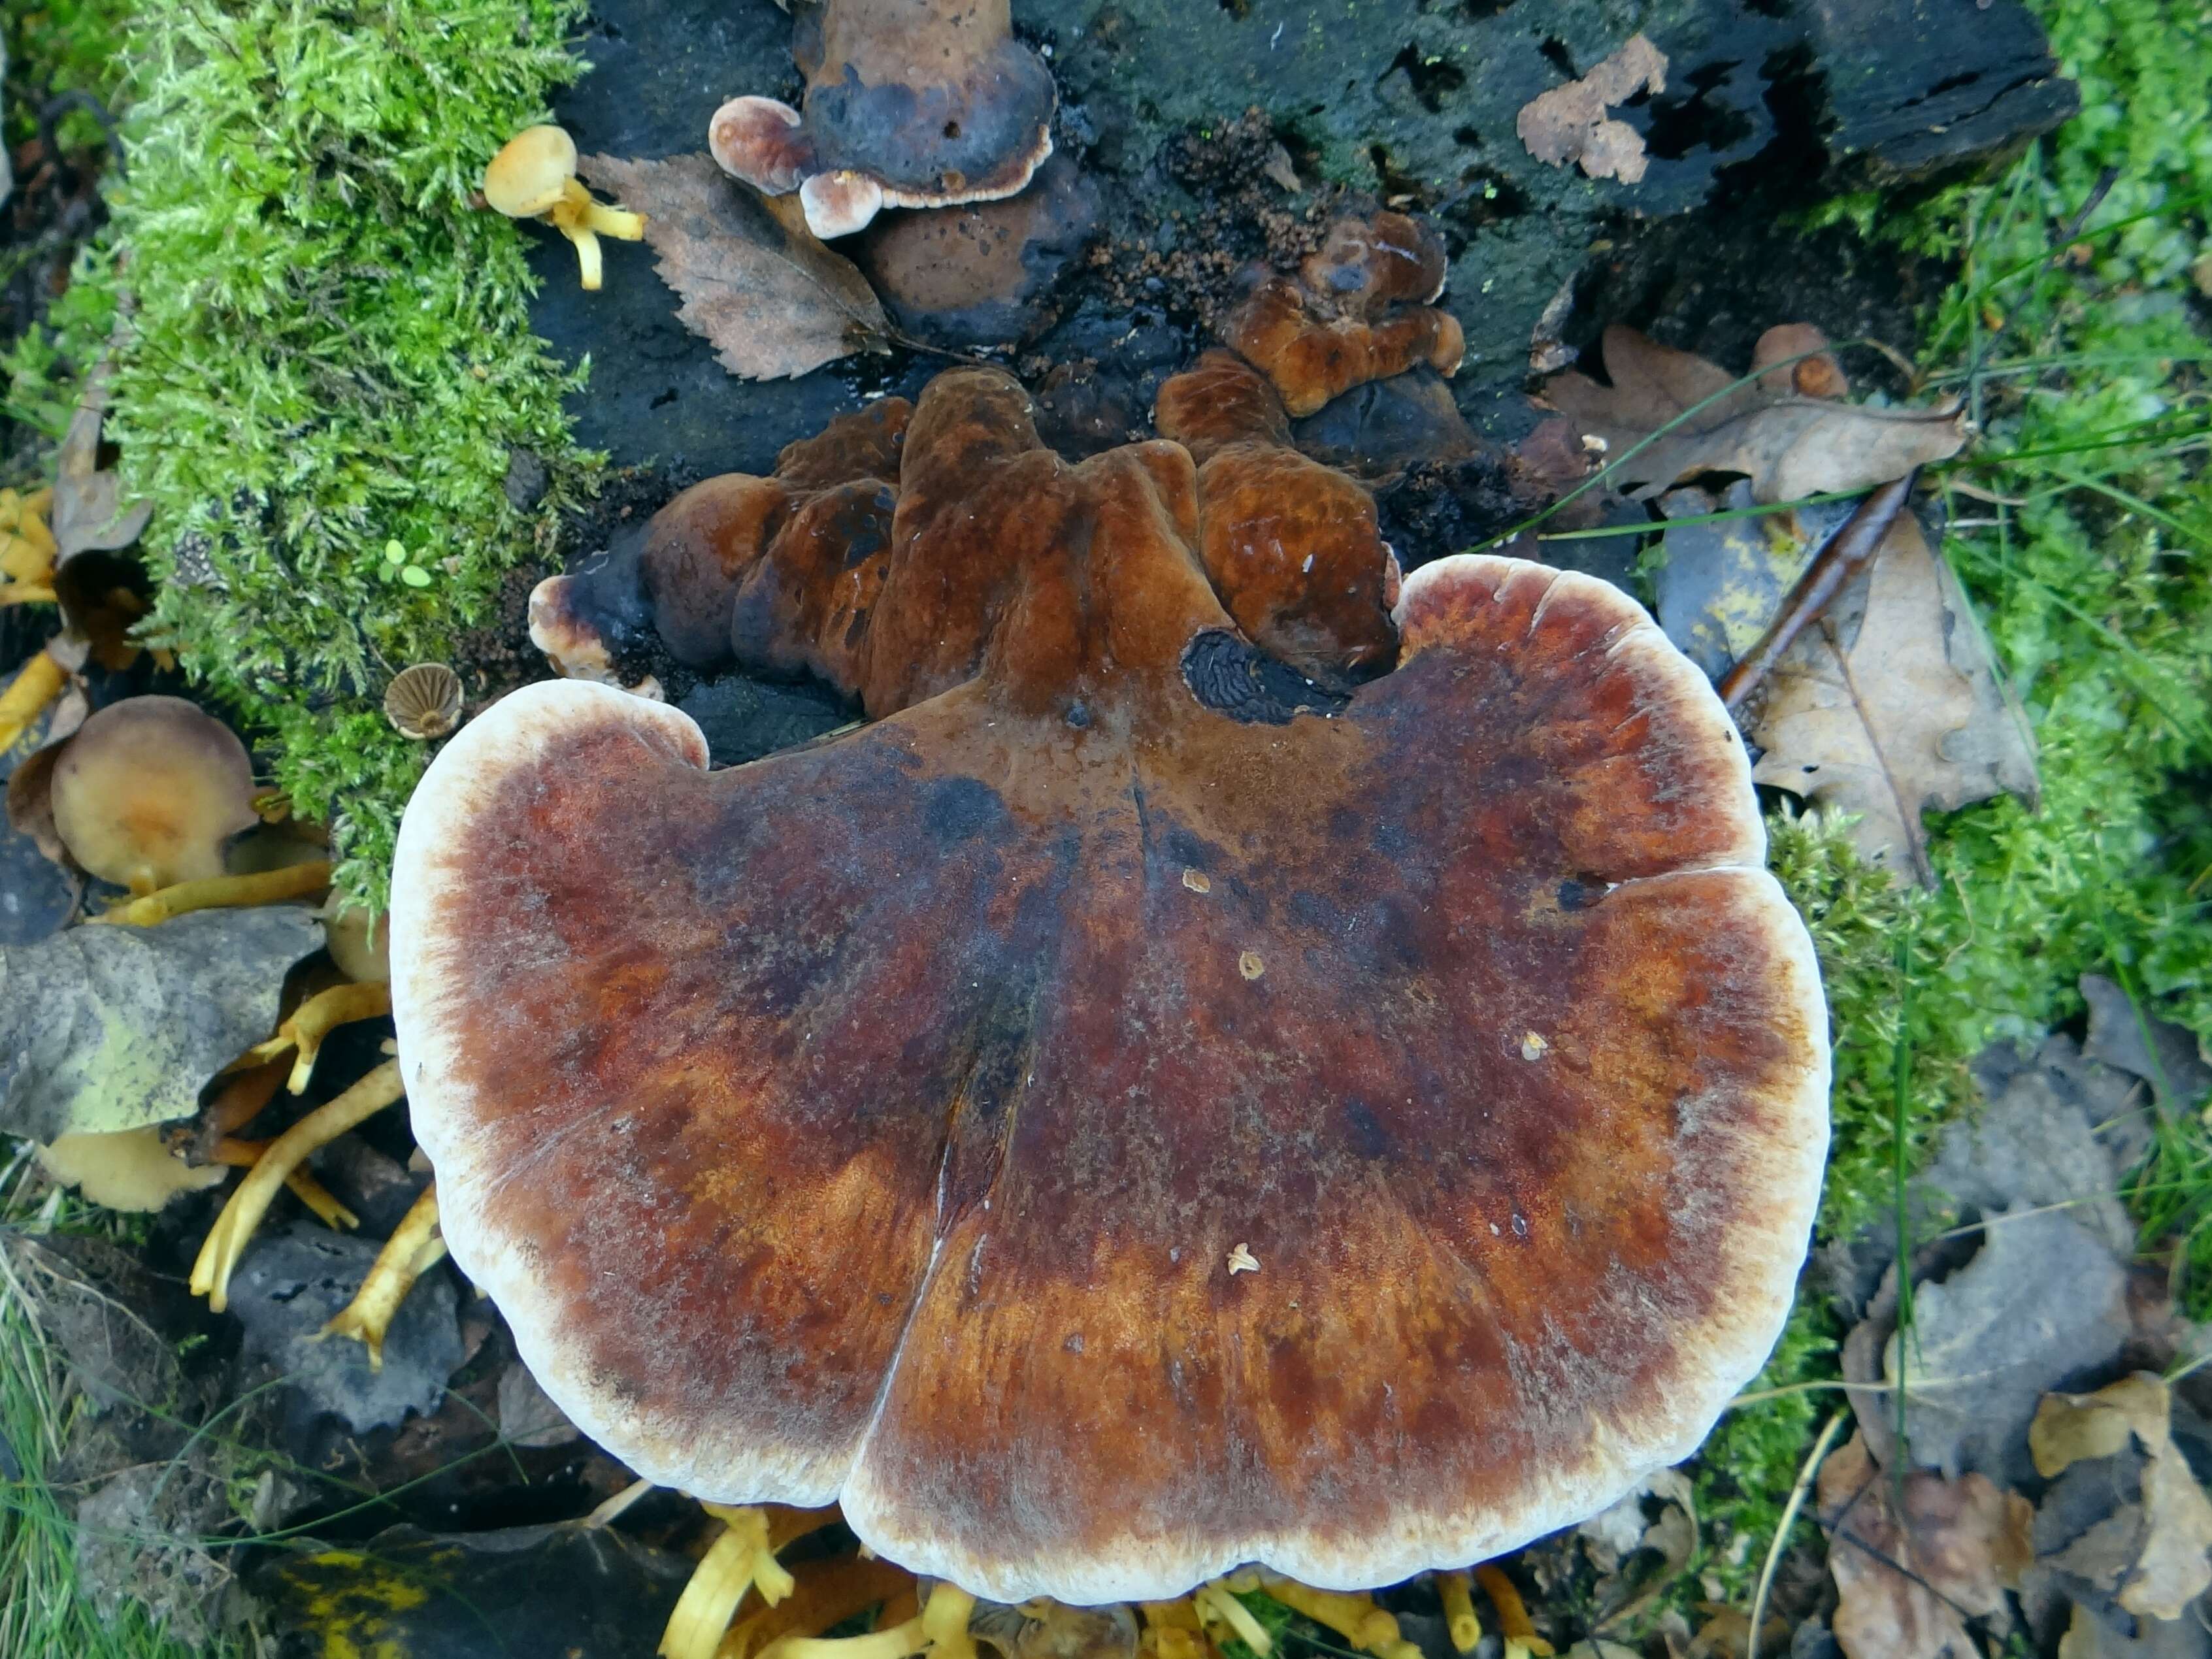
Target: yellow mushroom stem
{"type": "Point", "coordinates": [39, 683]}
{"type": "Point", "coordinates": [1354, 1616]}
{"type": "Point", "coordinates": [244, 1154]}
{"type": "Point", "coordinates": [1513, 1622]}
{"type": "Point", "coordinates": [412, 1250]}
{"type": "Point", "coordinates": [1459, 1611]}
{"type": "Point", "coordinates": [315, 1020]}
{"type": "Point", "coordinates": [824, 1594]}
{"type": "Point", "coordinates": [218, 892]}
{"type": "Point", "coordinates": [1220, 1611]}
{"type": "Point", "coordinates": [898, 1641]}
{"type": "Point", "coordinates": [741, 1559]}
{"type": "Point", "coordinates": [27, 593]}
{"type": "Point", "coordinates": [584, 221]}
{"type": "Point", "coordinates": [1172, 1631]}
{"type": "Point", "coordinates": [225, 1240]}
{"type": "Point", "coordinates": [944, 1619]}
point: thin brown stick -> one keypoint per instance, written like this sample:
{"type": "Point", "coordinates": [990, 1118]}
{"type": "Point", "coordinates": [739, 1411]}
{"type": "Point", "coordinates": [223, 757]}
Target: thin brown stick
{"type": "Point", "coordinates": [1848, 551]}
{"type": "Point", "coordinates": [1790, 1511]}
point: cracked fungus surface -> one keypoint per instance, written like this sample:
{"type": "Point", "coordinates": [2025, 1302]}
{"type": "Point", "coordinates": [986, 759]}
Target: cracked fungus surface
{"type": "Point", "coordinates": [878, 1121]}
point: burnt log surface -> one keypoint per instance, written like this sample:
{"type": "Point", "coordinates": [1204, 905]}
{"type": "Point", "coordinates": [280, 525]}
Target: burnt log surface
{"type": "Point", "coordinates": [1769, 105]}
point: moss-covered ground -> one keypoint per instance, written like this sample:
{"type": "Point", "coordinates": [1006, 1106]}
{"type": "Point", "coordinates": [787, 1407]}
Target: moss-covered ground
{"type": "Point", "coordinates": [322, 349]}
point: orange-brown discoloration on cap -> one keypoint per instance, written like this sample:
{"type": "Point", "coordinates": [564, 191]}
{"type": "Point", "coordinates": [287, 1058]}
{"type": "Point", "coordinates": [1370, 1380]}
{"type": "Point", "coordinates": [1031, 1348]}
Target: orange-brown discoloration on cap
{"type": "Point", "coordinates": [872, 1122]}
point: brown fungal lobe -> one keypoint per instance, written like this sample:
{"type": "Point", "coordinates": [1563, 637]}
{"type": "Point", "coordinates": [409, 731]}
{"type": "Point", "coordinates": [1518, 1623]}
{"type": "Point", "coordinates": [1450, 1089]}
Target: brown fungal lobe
{"type": "Point", "coordinates": [872, 1122]}
{"type": "Point", "coordinates": [908, 103]}
{"type": "Point", "coordinates": [1359, 309]}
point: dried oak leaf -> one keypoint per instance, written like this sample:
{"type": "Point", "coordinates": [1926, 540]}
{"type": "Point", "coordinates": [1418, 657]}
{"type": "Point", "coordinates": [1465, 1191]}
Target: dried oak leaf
{"type": "Point", "coordinates": [1906, 1583]}
{"type": "Point", "coordinates": [1787, 430]}
{"type": "Point", "coordinates": [106, 1028]}
{"type": "Point", "coordinates": [2169, 1566]}
{"type": "Point", "coordinates": [758, 285]}
{"type": "Point", "coordinates": [1568, 122]}
{"type": "Point", "coordinates": [1892, 705]}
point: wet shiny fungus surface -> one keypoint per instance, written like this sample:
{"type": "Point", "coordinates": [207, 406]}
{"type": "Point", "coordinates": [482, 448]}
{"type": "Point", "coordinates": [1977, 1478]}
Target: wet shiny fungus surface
{"type": "Point", "coordinates": [874, 1121]}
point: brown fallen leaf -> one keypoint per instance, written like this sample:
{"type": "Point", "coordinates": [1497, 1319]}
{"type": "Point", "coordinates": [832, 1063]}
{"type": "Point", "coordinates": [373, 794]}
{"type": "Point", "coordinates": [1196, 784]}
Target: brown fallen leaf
{"type": "Point", "coordinates": [1568, 122]}
{"type": "Point", "coordinates": [2171, 1539]}
{"type": "Point", "coordinates": [1892, 705]}
{"type": "Point", "coordinates": [1787, 430]}
{"type": "Point", "coordinates": [1906, 1584]}
{"type": "Point", "coordinates": [772, 300]}
{"type": "Point", "coordinates": [89, 513]}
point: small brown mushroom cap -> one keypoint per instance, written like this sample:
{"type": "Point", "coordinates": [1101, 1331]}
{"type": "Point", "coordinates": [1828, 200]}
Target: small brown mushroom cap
{"type": "Point", "coordinates": [878, 1122]}
{"type": "Point", "coordinates": [149, 791]}
{"type": "Point", "coordinates": [531, 172]}
{"type": "Point", "coordinates": [909, 103]}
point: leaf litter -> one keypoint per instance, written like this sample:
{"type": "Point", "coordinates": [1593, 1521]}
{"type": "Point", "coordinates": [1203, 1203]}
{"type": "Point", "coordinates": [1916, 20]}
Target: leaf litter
{"type": "Point", "coordinates": [1786, 427]}
{"type": "Point", "coordinates": [770, 297]}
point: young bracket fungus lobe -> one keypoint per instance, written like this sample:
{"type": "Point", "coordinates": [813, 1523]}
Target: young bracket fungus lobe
{"type": "Point", "coordinates": [873, 1122]}
{"type": "Point", "coordinates": [909, 103]}
{"type": "Point", "coordinates": [1360, 309]}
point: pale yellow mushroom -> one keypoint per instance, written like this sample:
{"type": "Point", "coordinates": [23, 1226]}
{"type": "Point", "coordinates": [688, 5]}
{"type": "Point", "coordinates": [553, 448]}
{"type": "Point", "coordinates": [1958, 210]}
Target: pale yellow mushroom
{"type": "Point", "coordinates": [128, 1169]}
{"type": "Point", "coordinates": [1459, 1618]}
{"type": "Point", "coordinates": [824, 1594]}
{"type": "Point", "coordinates": [1521, 1641]}
{"type": "Point", "coordinates": [741, 1559]}
{"type": "Point", "coordinates": [225, 1240]}
{"type": "Point", "coordinates": [411, 1251]}
{"type": "Point", "coordinates": [534, 177]}
{"type": "Point", "coordinates": [315, 1020]}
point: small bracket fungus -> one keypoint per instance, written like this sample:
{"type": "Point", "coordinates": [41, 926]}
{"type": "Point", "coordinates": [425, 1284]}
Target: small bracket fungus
{"type": "Point", "coordinates": [909, 103]}
{"type": "Point", "coordinates": [871, 1123]}
{"type": "Point", "coordinates": [534, 177]}
{"type": "Point", "coordinates": [1360, 309]}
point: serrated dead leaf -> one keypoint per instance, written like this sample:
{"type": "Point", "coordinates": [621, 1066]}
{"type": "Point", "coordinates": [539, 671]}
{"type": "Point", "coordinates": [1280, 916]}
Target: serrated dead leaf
{"type": "Point", "coordinates": [1787, 430]}
{"type": "Point", "coordinates": [762, 288]}
{"type": "Point", "coordinates": [1892, 705]}
{"type": "Point", "coordinates": [2171, 1542]}
{"type": "Point", "coordinates": [1568, 122]}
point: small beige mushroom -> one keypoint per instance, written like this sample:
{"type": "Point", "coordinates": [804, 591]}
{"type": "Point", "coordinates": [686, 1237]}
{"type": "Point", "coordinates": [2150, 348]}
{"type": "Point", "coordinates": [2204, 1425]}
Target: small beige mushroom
{"type": "Point", "coordinates": [534, 177]}
{"type": "Point", "coordinates": [149, 791]}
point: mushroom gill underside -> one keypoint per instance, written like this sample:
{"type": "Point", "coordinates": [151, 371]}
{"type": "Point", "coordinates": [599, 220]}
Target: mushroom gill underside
{"type": "Point", "coordinates": [1106, 1121]}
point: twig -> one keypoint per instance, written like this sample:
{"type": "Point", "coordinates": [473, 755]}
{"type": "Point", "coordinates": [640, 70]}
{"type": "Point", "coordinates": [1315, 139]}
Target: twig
{"type": "Point", "coordinates": [1790, 1512]}
{"type": "Point", "coordinates": [1848, 551]}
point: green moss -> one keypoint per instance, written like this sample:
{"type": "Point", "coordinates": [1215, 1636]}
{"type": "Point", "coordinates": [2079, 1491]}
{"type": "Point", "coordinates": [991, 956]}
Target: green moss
{"type": "Point", "coordinates": [2096, 592]}
{"type": "Point", "coordinates": [329, 349]}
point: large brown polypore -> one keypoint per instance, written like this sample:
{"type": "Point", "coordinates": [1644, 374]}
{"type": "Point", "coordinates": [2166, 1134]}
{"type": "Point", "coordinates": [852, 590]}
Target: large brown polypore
{"type": "Point", "coordinates": [878, 1121]}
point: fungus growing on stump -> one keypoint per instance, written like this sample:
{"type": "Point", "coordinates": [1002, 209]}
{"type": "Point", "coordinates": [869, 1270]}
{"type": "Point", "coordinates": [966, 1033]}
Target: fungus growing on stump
{"type": "Point", "coordinates": [1360, 309]}
{"type": "Point", "coordinates": [878, 1122]}
{"type": "Point", "coordinates": [909, 103]}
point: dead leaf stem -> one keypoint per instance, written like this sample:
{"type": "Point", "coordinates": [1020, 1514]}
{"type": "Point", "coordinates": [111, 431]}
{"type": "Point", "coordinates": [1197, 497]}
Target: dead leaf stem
{"type": "Point", "coordinates": [1848, 551]}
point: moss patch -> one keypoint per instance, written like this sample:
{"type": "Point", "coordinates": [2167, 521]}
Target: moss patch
{"type": "Point", "coordinates": [326, 353]}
